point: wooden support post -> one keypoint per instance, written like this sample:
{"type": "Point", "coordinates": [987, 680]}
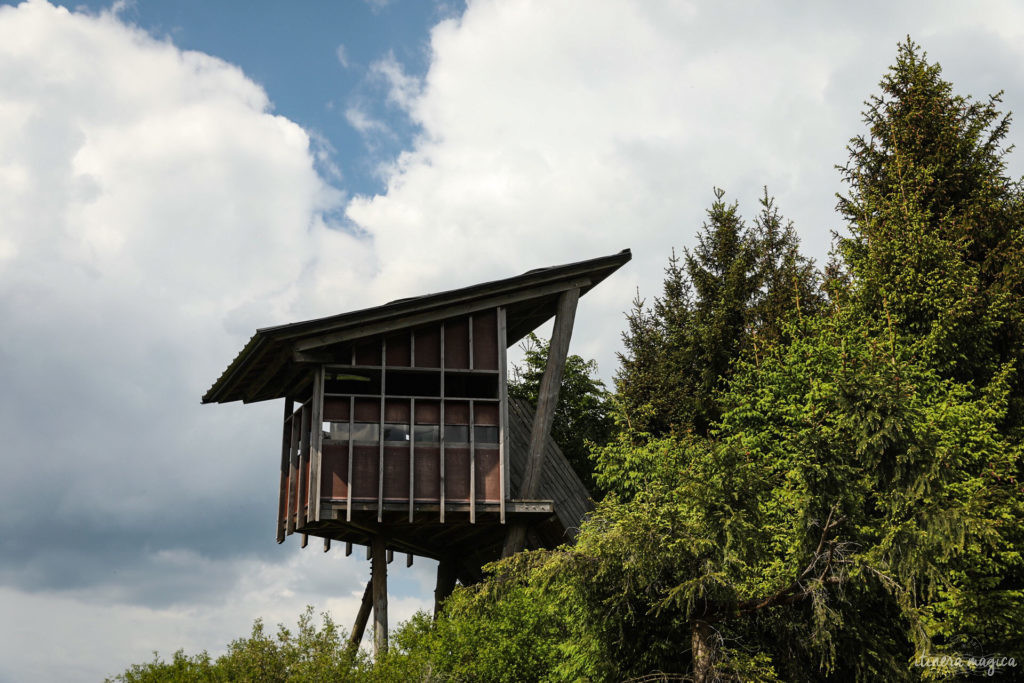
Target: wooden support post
{"type": "Point", "coordinates": [446, 575]}
{"type": "Point", "coordinates": [503, 475]}
{"type": "Point", "coordinates": [440, 463]}
{"type": "Point", "coordinates": [348, 548]}
{"type": "Point", "coordinates": [327, 545]}
{"type": "Point", "coordinates": [472, 460]}
{"type": "Point", "coordinates": [383, 404]}
{"type": "Point", "coordinates": [547, 401]}
{"type": "Point", "coordinates": [408, 559]}
{"type": "Point", "coordinates": [302, 499]}
{"type": "Point", "coordinates": [362, 616]}
{"type": "Point", "coordinates": [286, 442]}
{"type": "Point", "coordinates": [380, 596]}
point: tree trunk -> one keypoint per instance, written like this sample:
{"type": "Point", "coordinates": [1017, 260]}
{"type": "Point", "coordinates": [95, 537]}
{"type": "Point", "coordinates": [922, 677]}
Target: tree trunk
{"type": "Point", "coordinates": [703, 649]}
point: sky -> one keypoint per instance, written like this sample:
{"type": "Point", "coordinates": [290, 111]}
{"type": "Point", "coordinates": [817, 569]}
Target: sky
{"type": "Point", "coordinates": [175, 175]}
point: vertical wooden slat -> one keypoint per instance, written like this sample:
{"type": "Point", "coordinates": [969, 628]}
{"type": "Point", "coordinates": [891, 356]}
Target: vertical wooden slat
{"type": "Point", "coordinates": [470, 342]}
{"type": "Point", "coordinates": [472, 459]}
{"type": "Point", "coordinates": [303, 490]}
{"type": "Point", "coordinates": [391, 555]}
{"type": "Point", "coordinates": [348, 487]}
{"type": "Point", "coordinates": [441, 461]}
{"type": "Point", "coordinates": [293, 474]}
{"type": "Point", "coordinates": [412, 458]}
{"type": "Point", "coordinates": [286, 442]}
{"type": "Point", "coordinates": [503, 473]}
{"type": "Point", "coordinates": [327, 545]}
{"type": "Point", "coordinates": [408, 559]}
{"type": "Point", "coordinates": [380, 440]}
{"type": "Point", "coordinates": [305, 540]}
{"type": "Point", "coordinates": [348, 548]}
{"type": "Point", "coordinates": [316, 419]}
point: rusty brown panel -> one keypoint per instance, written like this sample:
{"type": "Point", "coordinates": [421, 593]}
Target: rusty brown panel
{"type": "Point", "coordinates": [368, 352]}
{"type": "Point", "coordinates": [488, 478]}
{"type": "Point", "coordinates": [456, 474]}
{"type": "Point", "coordinates": [397, 349]}
{"type": "Point", "coordinates": [365, 461]}
{"type": "Point", "coordinates": [456, 412]}
{"type": "Point", "coordinates": [456, 343]}
{"type": "Point", "coordinates": [335, 409]}
{"type": "Point", "coordinates": [428, 347]}
{"type": "Point", "coordinates": [334, 472]}
{"type": "Point", "coordinates": [485, 414]}
{"type": "Point", "coordinates": [396, 410]}
{"type": "Point", "coordinates": [367, 410]}
{"type": "Point", "coordinates": [396, 473]}
{"type": "Point", "coordinates": [428, 412]}
{"type": "Point", "coordinates": [428, 473]}
{"type": "Point", "coordinates": [485, 340]}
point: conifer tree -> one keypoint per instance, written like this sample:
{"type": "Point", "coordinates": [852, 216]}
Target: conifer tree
{"type": "Point", "coordinates": [937, 227]}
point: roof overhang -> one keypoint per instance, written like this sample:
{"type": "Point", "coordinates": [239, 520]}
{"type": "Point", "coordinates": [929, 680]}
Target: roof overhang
{"type": "Point", "coordinates": [261, 369]}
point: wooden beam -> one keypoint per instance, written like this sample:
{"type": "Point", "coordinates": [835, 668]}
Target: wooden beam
{"type": "Point", "coordinates": [441, 435]}
{"type": "Point", "coordinates": [380, 462]}
{"type": "Point", "coordinates": [380, 597]}
{"type": "Point", "coordinates": [327, 545]}
{"type": "Point", "coordinates": [348, 481]}
{"type": "Point", "coordinates": [302, 499]}
{"type": "Point", "coordinates": [412, 457]}
{"type": "Point", "coordinates": [362, 616]}
{"type": "Point", "coordinates": [316, 444]}
{"type": "Point", "coordinates": [348, 548]}
{"type": "Point", "coordinates": [293, 476]}
{"type": "Point", "coordinates": [503, 474]}
{"type": "Point", "coordinates": [472, 462]}
{"type": "Point", "coordinates": [371, 328]}
{"type": "Point", "coordinates": [547, 401]}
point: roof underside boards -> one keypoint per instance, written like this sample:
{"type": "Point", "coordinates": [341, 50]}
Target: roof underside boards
{"type": "Point", "coordinates": [479, 543]}
{"type": "Point", "coordinates": [271, 363]}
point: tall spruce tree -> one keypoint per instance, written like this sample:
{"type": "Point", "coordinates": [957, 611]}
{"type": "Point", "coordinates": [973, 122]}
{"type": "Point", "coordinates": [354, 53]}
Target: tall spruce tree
{"type": "Point", "coordinates": [937, 227]}
{"type": "Point", "coordinates": [733, 292]}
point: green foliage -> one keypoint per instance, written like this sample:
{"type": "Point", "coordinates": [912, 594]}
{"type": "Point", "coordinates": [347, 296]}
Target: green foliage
{"type": "Point", "coordinates": [937, 226]}
{"type": "Point", "coordinates": [583, 415]}
{"type": "Point", "coordinates": [309, 654]}
{"type": "Point", "coordinates": [734, 292]}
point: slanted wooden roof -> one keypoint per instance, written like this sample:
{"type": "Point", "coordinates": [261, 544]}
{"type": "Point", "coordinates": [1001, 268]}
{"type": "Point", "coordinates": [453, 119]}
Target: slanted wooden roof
{"type": "Point", "coordinates": [273, 359]}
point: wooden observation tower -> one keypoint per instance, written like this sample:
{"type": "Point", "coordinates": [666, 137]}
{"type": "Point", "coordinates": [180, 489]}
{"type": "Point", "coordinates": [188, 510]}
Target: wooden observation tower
{"type": "Point", "coordinates": [398, 433]}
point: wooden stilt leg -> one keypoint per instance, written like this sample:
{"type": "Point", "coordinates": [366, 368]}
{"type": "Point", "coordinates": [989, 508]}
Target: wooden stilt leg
{"type": "Point", "coordinates": [446, 572]}
{"type": "Point", "coordinates": [361, 617]}
{"type": "Point", "coordinates": [380, 597]}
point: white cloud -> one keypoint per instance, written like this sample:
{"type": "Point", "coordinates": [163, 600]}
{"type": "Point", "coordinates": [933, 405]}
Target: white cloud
{"type": "Point", "coordinates": [154, 214]}
{"type": "Point", "coordinates": [403, 89]}
{"type": "Point", "coordinates": [554, 131]}
{"type": "Point", "coordinates": [342, 54]}
{"type": "Point", "coordinates": [364, 123]}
